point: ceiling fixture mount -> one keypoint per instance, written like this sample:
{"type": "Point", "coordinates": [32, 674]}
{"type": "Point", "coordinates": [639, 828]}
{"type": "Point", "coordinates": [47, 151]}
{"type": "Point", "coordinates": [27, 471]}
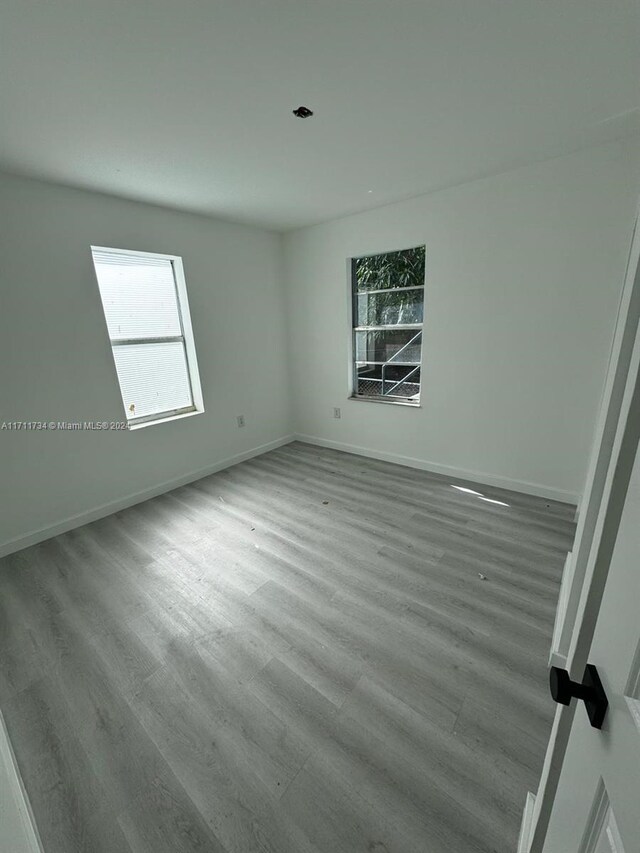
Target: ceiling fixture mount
{"type": "Point", "coordinates": [303, 112]}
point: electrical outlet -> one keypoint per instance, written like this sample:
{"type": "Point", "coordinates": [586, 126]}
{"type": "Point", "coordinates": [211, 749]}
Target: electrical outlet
{"type": "Point", "coordinates": [240, 420]}
{"type": "Point", "coordinates": [336, 412]}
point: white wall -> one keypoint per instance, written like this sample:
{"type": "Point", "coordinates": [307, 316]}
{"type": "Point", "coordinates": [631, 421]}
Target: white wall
{"type": "Point", "coordinates": [524, 274]}
{"type": "Point", "coordinates": [56, 363]}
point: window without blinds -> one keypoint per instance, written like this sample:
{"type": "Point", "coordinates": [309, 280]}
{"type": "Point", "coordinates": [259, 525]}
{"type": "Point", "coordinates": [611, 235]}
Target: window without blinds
{"type": "Point", "coordinates": [388, 307]}
{"type": "Point", "coordinates": [145, 306]}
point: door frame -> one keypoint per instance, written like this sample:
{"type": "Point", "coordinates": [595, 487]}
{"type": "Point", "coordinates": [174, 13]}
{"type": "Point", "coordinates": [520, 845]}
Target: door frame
{"type": "Point", "coordinates": [616, 439]}
{"type": "Point", "coordinates": [602, 448]}
{"type": "Point", "coordinates": [17, 822]}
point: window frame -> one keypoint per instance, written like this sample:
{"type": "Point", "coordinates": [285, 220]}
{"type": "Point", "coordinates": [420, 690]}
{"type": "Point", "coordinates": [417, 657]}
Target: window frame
{"type": "Point", "coordinates": [353, 294]}
{"type": "Point", "coordinates": [186, 338]}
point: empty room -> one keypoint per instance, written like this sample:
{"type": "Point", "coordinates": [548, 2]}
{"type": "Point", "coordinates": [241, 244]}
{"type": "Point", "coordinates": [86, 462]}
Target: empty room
{"type": "Point", "coordinates": [319, 408]}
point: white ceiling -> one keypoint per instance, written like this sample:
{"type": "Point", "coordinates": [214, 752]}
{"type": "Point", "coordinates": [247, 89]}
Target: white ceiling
{"type": "Point", "coordinates": [188, 103]}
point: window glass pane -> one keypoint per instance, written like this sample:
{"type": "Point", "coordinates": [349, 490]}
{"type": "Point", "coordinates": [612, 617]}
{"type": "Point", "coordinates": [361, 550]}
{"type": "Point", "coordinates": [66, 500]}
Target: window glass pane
{"type": "Point", "coordinates": [153, 378]}
{"type": "Point", "coordinates": [389, 308]}
{"type": "Point", "coordinates": [138, 294]}
{"type": "Point", "coordinates": [393, 269]}
{"type": "Point", "coordinates": [385, 344]}
{"type": "Point", "coordinates": [388, 293]}
{"type": "Point", "coordinates": [397, 382]}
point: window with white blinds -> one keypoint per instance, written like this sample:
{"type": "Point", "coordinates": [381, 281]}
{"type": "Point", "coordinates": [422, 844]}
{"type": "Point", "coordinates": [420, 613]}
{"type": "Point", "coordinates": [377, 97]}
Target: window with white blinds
{"type": "Point", "coordinates": [145, 306]}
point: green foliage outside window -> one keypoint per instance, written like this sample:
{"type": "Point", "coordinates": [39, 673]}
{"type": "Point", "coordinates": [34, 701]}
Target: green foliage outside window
{"type": "Point", "coordinates": [393, 269]}
{"type": "Point", "coordinates": [397, 270]}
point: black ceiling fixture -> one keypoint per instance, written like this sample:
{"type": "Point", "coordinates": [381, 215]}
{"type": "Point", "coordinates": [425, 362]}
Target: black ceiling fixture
{"type": "Point", "coordinates": [303, 112]}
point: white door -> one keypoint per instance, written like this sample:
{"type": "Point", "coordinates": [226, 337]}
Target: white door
{"type": "Point", "coordinates": [589, 795]}
{"type": "Point", "coordinates": [597, 801]}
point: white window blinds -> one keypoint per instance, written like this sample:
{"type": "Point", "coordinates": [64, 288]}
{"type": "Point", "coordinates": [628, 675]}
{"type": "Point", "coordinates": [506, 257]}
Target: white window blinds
{"type": "Point", "coordinates": [142, 308]}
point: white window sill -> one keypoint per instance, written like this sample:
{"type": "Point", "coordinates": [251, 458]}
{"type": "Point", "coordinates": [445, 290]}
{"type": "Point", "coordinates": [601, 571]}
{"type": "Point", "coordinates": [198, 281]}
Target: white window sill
{"type": "Point", "coordinates": [165, 419]}
{"type": "Point", "coordinates": [408, 404]}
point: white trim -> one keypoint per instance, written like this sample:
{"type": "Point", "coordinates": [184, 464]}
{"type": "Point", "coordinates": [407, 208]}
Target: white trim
{"type": "Point", "coordinates": [187, 332]}
{"type": "Point", "coordinates": [18, 830]}
{"type": "Point", "coordinates": [594, 491]}
{"type": "Point", "coordinates": [556, 658]}
{"type": "Point", "coordinates": [596, 819]}
{"type": "Point", "coordinates": [163, 419]}
{"type": "Point", "coordinates": [633, 682]}
{"type": "Point", "coordinates": [632, 690]}
{"type": "Point", "coordinates": [388, 401]}
{"type": "Point", "coordinates": [135, 253]}
{"type": "Point", "coordinates": [137, 497]}
{"type": "Point", "coordinates": [615, 445]}
{"type": "Point", "coordinates": [485, 479]}
{"type": "Point", "coordinates": [186, 336]}
{"type": "Point", "coordinates": [634, 709]}
{"type": "Point", "coordinates": [524, 838]}
{"type": "Point", "coordinates": [601, 823]}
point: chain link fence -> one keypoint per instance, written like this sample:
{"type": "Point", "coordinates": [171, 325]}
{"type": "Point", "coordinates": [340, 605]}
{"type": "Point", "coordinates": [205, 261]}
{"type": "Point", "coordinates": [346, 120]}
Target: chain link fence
{"type": "Point", "coordinates": [373, 388]}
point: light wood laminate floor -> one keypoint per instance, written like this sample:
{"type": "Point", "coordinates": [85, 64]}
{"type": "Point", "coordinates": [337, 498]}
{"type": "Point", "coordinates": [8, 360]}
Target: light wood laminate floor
{"type": "Point", "coordinates": [297, 654]}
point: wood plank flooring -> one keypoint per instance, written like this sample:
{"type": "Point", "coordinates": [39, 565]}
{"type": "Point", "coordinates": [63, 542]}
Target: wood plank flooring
{"type": "Point", "coordinates": [295, 655]}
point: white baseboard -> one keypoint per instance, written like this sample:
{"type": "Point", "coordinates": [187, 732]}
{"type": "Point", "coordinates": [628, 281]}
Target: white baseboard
{"type": "Point", "coordinates": [103, 510]}
{"type": "Point", "coordinates": [18, 830]}
{"type": "Point", "coordinates": [129, 500]}
{"type": "Point", "coordinates": [484, 479]}
{"type": "Point", "coordinates": [524, 839]}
